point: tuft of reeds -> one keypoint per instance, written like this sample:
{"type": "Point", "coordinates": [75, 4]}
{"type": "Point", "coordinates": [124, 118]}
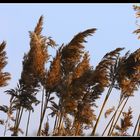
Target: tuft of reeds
{"type": "Point", "coordinates": [125, 124]}
{"type": "Point", "coordinates": [69, 87]}
{"type": "Point", "coordinates": [4, 76]}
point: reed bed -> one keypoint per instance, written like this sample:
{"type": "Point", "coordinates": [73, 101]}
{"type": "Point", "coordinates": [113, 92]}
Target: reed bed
{"type": "Point", "coordinates": [69, 87]}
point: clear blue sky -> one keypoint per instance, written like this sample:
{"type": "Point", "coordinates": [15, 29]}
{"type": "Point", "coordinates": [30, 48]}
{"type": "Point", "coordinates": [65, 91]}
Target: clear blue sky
{"type": "Point", "coordinates": [115, 24]}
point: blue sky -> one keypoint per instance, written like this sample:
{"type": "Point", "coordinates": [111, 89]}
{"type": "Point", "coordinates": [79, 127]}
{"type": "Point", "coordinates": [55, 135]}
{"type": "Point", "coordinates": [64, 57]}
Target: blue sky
{"type": "Point", "coordinates": [114, 22]}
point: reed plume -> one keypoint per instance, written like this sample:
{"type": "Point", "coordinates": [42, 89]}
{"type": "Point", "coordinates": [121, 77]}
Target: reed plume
{"type": "Point", "coordinates": [126, 123]}
{"type": "Point", "coordinates": [4, 76]}
{"type": "Point", "coordinates": [107, 71]}
{"type": "Point", "coordinates": [74, 82]}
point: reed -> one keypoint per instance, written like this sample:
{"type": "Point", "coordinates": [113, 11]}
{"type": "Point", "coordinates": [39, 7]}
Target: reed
{"type": "Point", "coordinates": [69, 87]}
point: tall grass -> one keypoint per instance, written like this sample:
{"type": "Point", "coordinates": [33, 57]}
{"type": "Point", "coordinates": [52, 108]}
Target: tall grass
{"type": "Point", "coordinates": [75, 83]}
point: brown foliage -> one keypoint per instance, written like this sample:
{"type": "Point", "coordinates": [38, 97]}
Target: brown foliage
{"type": "Point", "coordinates": [125, 123]}
{"type": "Point", "coordinates": [109, 111]}
{"type": "Point", "coordinates": [75, 82]}
{"type": "Point", "coordinates": [128, 73]}
{"type": "Point", "coordinates": [72, 52]}
{"type": "Point", "coordinates": [54, 74]}
{"type": "Point", "coordinates": [4, 76]}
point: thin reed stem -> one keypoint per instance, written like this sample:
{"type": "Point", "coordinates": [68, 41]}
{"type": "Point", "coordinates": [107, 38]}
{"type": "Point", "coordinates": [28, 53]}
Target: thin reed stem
{"type": "Point", "coordinates": [138, 133]}
{"type": "Point", "coordinates": [60, 121]}
{"type": "Point", "coordinates": [112, 117]}
{"type": "Point", "coordinates": [42, 101]}
{"type": "Point", "coordinates": [16, 122]}
{"type": "Point", "coordinates": [17, 116]}
{"type": "Point", "coordinates": [136, 125]}
{"type": "Point", "coordinates": [28, 123]}
{"type": "Point", "coordinates": [20, 117]}
{"type": "Point", "coordinates": [57, 123]}
{"type": "Point", "coordinates": [120, 103]}
{"type": "Point", "coordinates": [54, 128]}
{"type": "Point", "coordinates": [43, 114]}
{"type": "Point", "coordinates": [118, 117]}
{"type": "Point", "coordinates": [103, 105]}
{"type": "Point", "coordinates": [7, 120]}
{"type": "Point", "coordinates": [5, 129]}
